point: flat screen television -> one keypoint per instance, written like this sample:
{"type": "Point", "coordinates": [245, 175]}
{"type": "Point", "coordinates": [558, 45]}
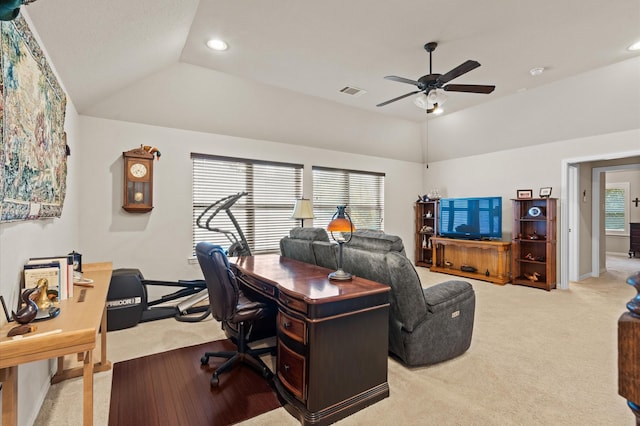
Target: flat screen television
{"type": "Point", "coordinates": [478, 218]}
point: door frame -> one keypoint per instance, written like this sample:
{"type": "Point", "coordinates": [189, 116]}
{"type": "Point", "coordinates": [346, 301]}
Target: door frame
{"type": "Point", "coordinates": [569, 214]}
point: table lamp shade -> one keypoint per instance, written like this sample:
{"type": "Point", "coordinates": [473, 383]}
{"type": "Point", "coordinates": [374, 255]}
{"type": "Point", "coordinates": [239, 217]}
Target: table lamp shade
{"type": "Point", "coordinates": [341, 222]}
{"type": "Point", "coordinates": [340, 225]}
{"type": "Point", "coordinates": [302, 210]}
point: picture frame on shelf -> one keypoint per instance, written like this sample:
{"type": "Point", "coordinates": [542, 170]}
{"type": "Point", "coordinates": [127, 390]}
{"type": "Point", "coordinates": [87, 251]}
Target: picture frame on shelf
{"type": "Point", "coordinates": [524, 194]}
{"type": "Point", "coordinates": [545, 192]}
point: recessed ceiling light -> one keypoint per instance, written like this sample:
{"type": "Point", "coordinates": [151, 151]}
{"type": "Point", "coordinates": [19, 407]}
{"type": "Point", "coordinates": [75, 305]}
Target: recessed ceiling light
{"type": "Point", "coordinates": [217, 44]}
{"type": "Point", "coordinates": [634, 46]}
{"type": "Point", "coordinates": [536, 71]}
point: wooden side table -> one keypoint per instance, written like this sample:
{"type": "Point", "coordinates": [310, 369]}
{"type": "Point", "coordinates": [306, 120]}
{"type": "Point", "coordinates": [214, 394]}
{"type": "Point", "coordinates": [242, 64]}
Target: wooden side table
{"type": "Point", "coordinates": [74, 331]}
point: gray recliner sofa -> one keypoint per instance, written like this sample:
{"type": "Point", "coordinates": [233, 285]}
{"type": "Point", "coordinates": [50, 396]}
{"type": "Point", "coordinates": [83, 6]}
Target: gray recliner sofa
{"type": "Point", "coordinates": [426, 325]}
{"type": "Point", "coordinates": [310, 245]}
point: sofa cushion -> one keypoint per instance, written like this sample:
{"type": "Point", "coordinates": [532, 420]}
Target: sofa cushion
{"type": "Point", "coordinates": [326, 254]}
{"type": "Point", "coordinates": [301, 250]}
{"type": "Point", "coordinates": [311, 234]}
{"type": "Point", "coordinates": [299, 245]}
{"type": "Point", "coordinates": [376, 240]}
{"type": "Point", "coordinates": [366, 264]}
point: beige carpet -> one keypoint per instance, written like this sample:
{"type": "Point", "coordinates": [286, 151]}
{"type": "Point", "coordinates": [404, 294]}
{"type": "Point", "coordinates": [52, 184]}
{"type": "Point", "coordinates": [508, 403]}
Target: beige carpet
{"type": "Point", "coordinates": [537, 358]}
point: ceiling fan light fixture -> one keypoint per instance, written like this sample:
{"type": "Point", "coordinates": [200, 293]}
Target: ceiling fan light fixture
{"type": "Point", "coordinates": [437, 97]}
{"type": "Point", "coordinates": [438, 110]}
{"type": "Point", "coordinates": [635, 46]}
{"type": "Point", "coordinates": [217, 44]}
{"type": "Point", "coordinates": [431, 108]}
{"type": "Point", "coordinates": [422, 101]}
{"type": "Point", "coordinates": [536, 71]}
{"type": "Point", "coordinates": [428, 85]}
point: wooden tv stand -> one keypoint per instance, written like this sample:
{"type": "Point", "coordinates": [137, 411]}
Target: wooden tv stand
{"type": "Point", "coordinates": [490, 258]}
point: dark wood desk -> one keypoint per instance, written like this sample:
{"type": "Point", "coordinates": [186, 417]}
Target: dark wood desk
{"type": "Point", "coordinates": [332, 337]}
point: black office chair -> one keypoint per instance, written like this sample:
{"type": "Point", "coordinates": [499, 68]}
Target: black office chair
{"type": "Point", "coordinates": [243, 319]}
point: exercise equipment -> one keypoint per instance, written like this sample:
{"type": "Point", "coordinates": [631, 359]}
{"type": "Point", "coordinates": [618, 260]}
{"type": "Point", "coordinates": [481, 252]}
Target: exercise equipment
{"type": "Point", "coordinates": [128, 304]}
{"type": "Point", "coordinates": [239, 245]}
{"type": "Point", "coordinates": [127, 299]}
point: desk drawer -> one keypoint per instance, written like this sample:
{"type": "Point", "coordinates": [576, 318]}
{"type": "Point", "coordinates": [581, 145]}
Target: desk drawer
{"type": "Point", "coordinates": [291, 371]}
{"type": "Point", "coordinates": [293, 303]}
{"type": "Point", "coordinates": [292, 327]}
{"type": "Point", "coordinates": [260, 286]}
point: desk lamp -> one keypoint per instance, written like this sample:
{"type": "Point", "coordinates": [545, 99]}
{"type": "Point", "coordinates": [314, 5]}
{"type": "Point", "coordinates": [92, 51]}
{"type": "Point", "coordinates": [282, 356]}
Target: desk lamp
{"type": "Point", "coordinates": [341, 223]}
{"type": "Point", "coordinates": [302, 210]}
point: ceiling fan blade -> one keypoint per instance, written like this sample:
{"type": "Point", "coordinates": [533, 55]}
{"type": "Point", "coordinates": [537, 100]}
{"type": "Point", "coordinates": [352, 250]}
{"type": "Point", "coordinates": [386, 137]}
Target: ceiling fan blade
{"type": "Point", "coordinates": [469, 88]}
{"type": "Point", "coordinates": [398, 98]}
{"type": "Point", "coordinates": [458, 71]}
{"type": "Point", "coordinates": [402, 80]}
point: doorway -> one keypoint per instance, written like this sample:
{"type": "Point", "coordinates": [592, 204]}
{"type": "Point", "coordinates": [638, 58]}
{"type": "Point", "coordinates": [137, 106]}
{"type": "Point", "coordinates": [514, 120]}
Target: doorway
{"type": "Point", "coordinates": [571, 215]}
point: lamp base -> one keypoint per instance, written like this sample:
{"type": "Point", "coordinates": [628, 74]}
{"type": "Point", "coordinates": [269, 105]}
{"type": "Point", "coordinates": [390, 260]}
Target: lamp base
{"type": "Point", "coordinates": [340, 275]}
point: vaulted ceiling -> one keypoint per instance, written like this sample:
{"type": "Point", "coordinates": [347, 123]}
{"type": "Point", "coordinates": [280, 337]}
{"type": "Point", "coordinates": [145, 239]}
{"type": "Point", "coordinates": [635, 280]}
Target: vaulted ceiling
{"type": "Point", "coordinates": [317, 48]}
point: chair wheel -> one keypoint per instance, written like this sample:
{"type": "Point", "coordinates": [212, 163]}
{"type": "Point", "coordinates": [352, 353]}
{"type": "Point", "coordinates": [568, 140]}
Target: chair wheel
{"type": "Point", "coordinates": [266, 373]}
{"type": "Point", "coordinates": [214, 381]}
{"type": "Point", "coordinates": [204, 360]}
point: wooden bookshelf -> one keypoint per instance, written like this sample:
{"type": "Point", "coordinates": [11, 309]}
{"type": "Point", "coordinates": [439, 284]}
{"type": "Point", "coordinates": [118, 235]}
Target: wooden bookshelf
{"type": "Point", "coordinates": [534, 242]}
{"type": "Point", "coordinates": [426, 228]}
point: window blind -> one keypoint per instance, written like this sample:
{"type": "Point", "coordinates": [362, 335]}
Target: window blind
{"type": "Point", "coordinates": [361, 191]}
{"type": "Point", "coordinates": [615, 207]}
{"type": "Point", "coordinates": [264, 215]}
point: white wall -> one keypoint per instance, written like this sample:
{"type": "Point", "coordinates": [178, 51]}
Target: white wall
{"type": "Point", "coordinates": [24, 239]}
{"type": "Point", "coordinates": [503, 173]}
{"type": "Point", "coordinates": [159, 243]}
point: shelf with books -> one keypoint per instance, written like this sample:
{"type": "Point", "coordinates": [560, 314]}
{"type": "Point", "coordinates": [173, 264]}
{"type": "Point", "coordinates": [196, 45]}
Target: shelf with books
{"type": "Point", "coordinates": [64, 284]}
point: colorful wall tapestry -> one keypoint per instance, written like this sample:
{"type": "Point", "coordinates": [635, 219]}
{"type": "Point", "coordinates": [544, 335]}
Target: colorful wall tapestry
{"type": "Point", "coordinates": [33, 161]}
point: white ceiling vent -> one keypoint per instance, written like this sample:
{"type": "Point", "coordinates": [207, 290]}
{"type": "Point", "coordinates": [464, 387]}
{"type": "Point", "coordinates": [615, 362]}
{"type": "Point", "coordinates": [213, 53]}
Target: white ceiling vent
{"type": "Point", "coordinates": [353, 91]}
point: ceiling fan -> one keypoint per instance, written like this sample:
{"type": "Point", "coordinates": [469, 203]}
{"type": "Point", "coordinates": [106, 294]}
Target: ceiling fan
{"type": "Point", "coordinates": [428, 84]}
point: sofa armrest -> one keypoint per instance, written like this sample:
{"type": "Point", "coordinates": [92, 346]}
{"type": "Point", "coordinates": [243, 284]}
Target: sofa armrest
{"type": "Point", "coordinates": [449, 293]}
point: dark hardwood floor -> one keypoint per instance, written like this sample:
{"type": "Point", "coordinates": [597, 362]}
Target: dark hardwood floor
{"type": "Point", "coordinates": [172, 388]}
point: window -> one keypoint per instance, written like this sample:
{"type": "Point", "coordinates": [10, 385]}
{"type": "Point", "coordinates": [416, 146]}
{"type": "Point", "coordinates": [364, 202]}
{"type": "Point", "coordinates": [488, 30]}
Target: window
{"type": "Point", "coordinates": [263, 215]}
{"type": "Point", "coordinates": [616, 208]}
{"type": "Point", "coordinates": [361, 192]}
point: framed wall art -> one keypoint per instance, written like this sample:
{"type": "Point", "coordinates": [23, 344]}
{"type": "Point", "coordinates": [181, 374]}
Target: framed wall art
{"type": "Point", "coordinates": [33, 161]}
{"type": "Point", "coordinates": [545, 192]}
{"type": "Point", "coordinates": [524, 193]}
